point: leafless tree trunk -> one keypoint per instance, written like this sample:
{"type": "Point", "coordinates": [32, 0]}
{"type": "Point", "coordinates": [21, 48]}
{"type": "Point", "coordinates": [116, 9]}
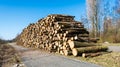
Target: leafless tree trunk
{"type": "Point", "coordinates": [93, 16]}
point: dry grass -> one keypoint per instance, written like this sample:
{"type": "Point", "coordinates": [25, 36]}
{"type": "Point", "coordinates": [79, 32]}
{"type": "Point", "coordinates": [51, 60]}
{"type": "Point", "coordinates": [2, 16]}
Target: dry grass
{"type": "Point", "coordinates": [112, 44]}
{"type": "Point", "coordinates": [8, 55]}
{"type": "Point", "coordinates": [105, 60]}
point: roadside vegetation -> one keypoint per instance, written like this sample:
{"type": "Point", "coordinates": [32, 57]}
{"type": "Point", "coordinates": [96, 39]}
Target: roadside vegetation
{"type": "Point", "coordinates": [8, 55]}
{"type": "Point", "coordinates": [106, 60]}
{"type": "Point", "coordinates": [112, 44]}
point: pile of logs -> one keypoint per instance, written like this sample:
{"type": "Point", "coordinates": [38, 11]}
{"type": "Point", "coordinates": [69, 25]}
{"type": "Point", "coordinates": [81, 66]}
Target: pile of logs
{"type": "Point", "coordinates": [57, 33]}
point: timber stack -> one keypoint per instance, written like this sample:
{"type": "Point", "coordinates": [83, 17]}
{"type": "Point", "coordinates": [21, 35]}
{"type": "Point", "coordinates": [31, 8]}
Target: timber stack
{"type": "Point", "coordinates": [58, 33]}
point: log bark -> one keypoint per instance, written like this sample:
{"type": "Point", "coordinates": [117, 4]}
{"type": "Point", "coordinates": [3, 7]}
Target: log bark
{"type": "Point", "coordinates": [91, 54]}
{"type": "Point", "coordinates": [67, 52]}
{"type": "Point", "coordinates": [76, 44]}
{"type": "Point", "coordinates": [79, 51]}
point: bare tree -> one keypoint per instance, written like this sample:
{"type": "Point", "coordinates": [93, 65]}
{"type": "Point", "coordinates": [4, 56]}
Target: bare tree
{"type": "Point", "coordinates": [93, 10]}
{"type": "Point", "coordinates": [107, 25]}
{"type": "Point", "coordinates": [84, 20]}
{"type": "Point", "coordinates": [117, 19]}
{"type": "Point", "coordinates": [118, 6]}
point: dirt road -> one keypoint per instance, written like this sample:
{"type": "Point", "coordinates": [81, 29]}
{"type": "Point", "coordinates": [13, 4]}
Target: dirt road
{"type": "Point", "coordinates": [39, 58]}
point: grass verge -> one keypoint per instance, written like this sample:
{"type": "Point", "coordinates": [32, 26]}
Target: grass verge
{"type": "Point", "coordinates": [8, 56]}
{"type": "Point", "coordinates": [111, 44]}
{"type": "Point", "coordinates": [106, 60]}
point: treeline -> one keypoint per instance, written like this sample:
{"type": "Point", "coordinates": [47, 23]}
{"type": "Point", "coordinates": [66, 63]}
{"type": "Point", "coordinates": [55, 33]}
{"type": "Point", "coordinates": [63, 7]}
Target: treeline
{"type": "Point", "coordinates": [2, 41]}
{"type": "Point", "coordinates": [103, 19]}
{"type": "Point", "coordinates": [111, 31]}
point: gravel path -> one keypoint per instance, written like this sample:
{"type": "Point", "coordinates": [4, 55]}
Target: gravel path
{"type": "Point", "coordinates": [39, 58]}
{"type": "Point", "coordinates": [114, 48]}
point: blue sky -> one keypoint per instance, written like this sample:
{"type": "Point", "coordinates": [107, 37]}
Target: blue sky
{"type": "Point", "coordinates": [15, 15]}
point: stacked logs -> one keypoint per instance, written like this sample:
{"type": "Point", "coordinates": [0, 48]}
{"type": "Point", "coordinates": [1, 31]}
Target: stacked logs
{"type": "Point", "coordinates": [56, 33]}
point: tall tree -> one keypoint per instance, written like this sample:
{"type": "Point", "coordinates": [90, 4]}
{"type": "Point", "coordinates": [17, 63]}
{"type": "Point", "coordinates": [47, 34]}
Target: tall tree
{"type": "Point", "coordinates": [93, 15]}
{"type": "Point", "coordinates": [118, 6]}
{"type": "Point", "coordinates": [117, 19]}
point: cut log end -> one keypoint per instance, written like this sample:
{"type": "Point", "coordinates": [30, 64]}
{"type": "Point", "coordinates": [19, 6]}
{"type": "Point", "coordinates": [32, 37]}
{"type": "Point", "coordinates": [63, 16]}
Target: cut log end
{"type": "Point", "coordinates": [74, 52]}
{"type": "Point", "coordinates": [71, 43]}
{"type": "Point", "coordinates": [83, 55]}
{"type": "Point", "coordinates": [65, 52]}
